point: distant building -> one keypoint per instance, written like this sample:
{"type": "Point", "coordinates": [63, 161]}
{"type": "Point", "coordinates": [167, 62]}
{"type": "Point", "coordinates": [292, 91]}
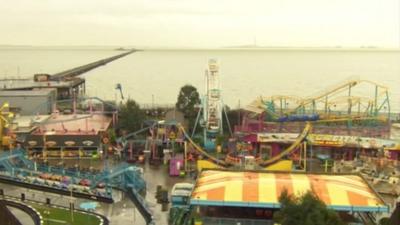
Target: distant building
{"type": "Point", "coordinates": [395, 131]}
{"type": "Point", "coordinates": [29, 102]}
{"type": "Point", "coordinates": [66, 88]}
{"type": "Point", "coordinates": [177, 116]}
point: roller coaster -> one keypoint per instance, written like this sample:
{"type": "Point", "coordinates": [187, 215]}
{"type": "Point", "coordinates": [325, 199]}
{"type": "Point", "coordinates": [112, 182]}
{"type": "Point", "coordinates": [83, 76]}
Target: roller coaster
{"type": "Point", "coordinates": [346, 100]}
{"type": "Point", "coordinates": [16, 169]}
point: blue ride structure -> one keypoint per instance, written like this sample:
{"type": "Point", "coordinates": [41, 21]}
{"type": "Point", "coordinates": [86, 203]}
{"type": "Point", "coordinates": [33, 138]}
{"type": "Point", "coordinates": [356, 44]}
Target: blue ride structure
{"type": "Point", "coordinates": [17, 169]}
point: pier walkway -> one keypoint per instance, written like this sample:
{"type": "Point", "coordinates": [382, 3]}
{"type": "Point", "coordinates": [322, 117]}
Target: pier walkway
{"type": "Point", "coordinates": [85, 68]}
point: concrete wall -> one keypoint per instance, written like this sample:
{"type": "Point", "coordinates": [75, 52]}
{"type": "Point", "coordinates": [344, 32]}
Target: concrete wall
{"type": "Point", "coordinates": [30, 105]}
{"type": "Point", "coordinates": [175, 115]}
{"type": "Point", "coordinates": [395, 131]}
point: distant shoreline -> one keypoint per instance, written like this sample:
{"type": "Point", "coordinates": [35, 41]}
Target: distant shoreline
{"type": "Point", "coordinates": [115, 48]}
{"type": "Point", "coordinates": [277, 49]}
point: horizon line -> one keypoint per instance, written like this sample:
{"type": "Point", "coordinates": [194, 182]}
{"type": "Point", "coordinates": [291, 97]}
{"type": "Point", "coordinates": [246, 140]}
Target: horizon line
{"type": "Point", "coordinates": [233, 47]}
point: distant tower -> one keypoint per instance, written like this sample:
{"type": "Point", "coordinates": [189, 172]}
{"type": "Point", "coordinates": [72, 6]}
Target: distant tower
{"type": "Point", "coordinates": [212, 104]}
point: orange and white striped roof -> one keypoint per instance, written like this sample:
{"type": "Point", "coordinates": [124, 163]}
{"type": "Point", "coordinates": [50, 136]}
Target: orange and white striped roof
{"type": "Point", "coordinates": [262, 189]}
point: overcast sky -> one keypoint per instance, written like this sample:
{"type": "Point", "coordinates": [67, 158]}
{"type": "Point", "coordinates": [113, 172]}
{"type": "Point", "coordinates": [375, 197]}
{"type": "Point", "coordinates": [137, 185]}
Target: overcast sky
{"type": "Point", "coordinates": [201, 23]}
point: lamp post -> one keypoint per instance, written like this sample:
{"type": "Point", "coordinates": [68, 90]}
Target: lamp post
{"type": "Point", "coordinates": [71, 206]}
{"type": "Point", "coordinates": [152, 101]}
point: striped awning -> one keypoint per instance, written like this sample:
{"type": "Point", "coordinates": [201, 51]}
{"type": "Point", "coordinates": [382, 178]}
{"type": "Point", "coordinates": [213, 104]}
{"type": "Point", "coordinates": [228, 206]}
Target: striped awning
{"type": "Point", "coordinates": [262, 189]}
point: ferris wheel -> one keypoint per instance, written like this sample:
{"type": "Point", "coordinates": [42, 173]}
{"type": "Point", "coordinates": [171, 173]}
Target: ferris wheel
{"type": "Point", "coordinates": [210, 115]}
{"type": "Point", "coordinates": [212, 100]}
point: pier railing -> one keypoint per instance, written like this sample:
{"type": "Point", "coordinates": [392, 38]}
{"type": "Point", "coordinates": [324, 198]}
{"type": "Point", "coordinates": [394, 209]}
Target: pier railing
{"type": "Point", "coordinates": [151, 106]}
{"type": "Point", "coordinates": [234, 221]}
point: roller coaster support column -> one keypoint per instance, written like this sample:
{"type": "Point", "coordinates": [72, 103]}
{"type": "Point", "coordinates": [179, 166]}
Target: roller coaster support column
{"type": "Point", "coordinates": [383, 105]}
{"type": "Point", "coordinates": [308, 142]}
{"type": "Point", "coordinates": [388, 102]}
{"type": "Point", "coordinates": [326, 104]}
{"type": "Point", "coordinates": [305, 156]}
{"type": "Point", "coordinates": [314, 106]}
{"type": "Point", "coordinates": [376, 101]}
{"type": "Point", "coordinates": [350, 102]}
{"type": "Point", "coordinates": [227, 120]}
{"type": "Point", "coordinates": [196, 122]}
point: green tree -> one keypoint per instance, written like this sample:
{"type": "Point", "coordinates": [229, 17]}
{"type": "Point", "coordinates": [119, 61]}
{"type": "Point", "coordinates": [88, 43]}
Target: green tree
{"type": "Point", "coordinates": [131, 116]}
{"type": "Point", "coordinates": [384, 221]}
{"type": "Point", "coordinates": [188, 98]}
{"type": "Point", "coordinates": [305, 210]}
{"type": "Point", "coordinates": [220, 139]}
{"type": "Point", "coordinates": [112, 135]}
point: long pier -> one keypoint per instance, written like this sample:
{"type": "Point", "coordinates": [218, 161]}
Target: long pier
{"type": "Point", "coordinates": [85, 68]}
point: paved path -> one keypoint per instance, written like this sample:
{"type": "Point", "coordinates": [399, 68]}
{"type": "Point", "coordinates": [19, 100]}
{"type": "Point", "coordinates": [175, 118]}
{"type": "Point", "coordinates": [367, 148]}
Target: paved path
{"type": "Point", "coordinates": [22, 216]}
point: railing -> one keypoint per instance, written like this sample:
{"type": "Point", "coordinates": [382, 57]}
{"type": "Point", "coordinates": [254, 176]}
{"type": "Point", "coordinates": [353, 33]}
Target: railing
{"type": "Point", "coordinates": [141, 205]}
{"type": "Point", "coordinates": [7, 216]}
{"type": "Point", "coordinates": [27, 209]}
{"type": "Point", "coordinates": [382, 131]}
{"type": "Point", "coordinates": [13, 200]}
{"type": "Point", "coordinates": [156, 106]}
{"type": "Point", "coordinates": [234, 221]}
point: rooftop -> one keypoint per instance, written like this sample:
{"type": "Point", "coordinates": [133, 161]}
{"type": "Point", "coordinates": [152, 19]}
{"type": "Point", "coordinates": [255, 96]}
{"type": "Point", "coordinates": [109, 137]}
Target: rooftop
{"type": "Point", "coordinates": [15, 84]}
{"type": "Point", "coordinates": [23, 124]}
{"type": "Point", "coordinates": [262, 189]}
{"type": "Point", "coordinates": [79, 124]}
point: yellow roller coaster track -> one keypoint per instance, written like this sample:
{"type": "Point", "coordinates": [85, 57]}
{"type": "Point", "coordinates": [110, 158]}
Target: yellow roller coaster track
{"type": "Point", "coordinates": [202, 151]}
{"type": "Point", "coordinates": [273, 160]}
{"type": "Point", "coordinates": [293, 147]}
{"type": "Point", "coordinates": [290, 149]}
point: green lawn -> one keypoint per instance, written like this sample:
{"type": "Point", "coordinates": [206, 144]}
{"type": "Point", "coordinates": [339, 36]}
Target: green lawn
{"type": "Point", "coordinates": [59, 216]}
